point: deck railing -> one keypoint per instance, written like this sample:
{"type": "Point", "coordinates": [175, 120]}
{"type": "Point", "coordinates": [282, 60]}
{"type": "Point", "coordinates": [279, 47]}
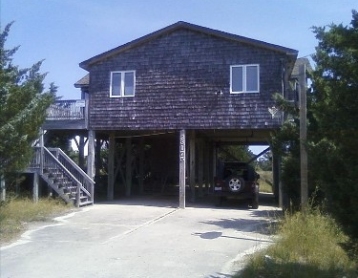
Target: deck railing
{"type": "Point", "coordinates": [67, 110]}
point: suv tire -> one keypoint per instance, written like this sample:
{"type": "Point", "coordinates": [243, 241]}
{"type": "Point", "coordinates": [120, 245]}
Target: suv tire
{"type": "Point", "coordinates": [235, 183]}
{"type": "Point", "coordinates": [255, 202]}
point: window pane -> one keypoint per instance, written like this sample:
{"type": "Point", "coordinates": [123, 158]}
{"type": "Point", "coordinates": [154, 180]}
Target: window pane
{"type": "Point", "coordinates": [237, 85]}
{"type": "Point", "coordinates": [116, 84]}
{"type": "Point", "coordinates": [129, 84]}
{"type": "Point", "coordinates": [252, 78]}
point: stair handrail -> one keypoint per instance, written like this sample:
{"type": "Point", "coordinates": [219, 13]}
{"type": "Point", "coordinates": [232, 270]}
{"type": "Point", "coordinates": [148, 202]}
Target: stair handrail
{"type": "Point", "coordinates": [64, 169]}
{"type": "Point", "coordinates": [83, 182]}
{"type": "Point", "coordinates": [69, 160]}
{"type": "Point", "coordinates": [88, 183]}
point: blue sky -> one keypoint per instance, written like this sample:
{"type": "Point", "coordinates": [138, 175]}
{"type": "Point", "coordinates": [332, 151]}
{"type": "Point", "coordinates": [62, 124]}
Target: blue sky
{"type": "Point", "coordinates": [67, 32]}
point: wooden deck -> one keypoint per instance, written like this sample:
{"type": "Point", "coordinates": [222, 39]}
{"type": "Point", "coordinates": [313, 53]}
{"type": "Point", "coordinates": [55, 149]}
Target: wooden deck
{"type": "Point", "coordinates": [67, 114]}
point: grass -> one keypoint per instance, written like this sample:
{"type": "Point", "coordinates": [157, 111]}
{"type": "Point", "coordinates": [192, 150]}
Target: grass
{"type": "Point", "coordinates": [16, 213]}
{"type": "Point", "coordinates": [307, 245]}
{"type": "Point", "coordinates": [265, 181]}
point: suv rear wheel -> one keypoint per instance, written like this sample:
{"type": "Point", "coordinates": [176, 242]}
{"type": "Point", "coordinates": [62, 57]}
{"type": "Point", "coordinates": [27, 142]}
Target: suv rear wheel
{"type": "Point", "coordinates": [235, 183]}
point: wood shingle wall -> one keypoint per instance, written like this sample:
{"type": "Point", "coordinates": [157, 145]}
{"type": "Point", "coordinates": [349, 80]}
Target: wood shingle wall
{"type": "Point", "coordinates": [183, 82]}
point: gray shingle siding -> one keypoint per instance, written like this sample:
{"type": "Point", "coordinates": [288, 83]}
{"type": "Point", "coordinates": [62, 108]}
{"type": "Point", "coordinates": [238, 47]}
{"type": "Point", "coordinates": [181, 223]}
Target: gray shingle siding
{"type": "Point", "coordinates": [177, 77]}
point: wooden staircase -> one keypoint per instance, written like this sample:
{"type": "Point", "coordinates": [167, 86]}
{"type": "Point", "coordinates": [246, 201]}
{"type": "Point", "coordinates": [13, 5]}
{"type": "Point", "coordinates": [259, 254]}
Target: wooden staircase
{"type": "Point", "coordinates": [63, 175]}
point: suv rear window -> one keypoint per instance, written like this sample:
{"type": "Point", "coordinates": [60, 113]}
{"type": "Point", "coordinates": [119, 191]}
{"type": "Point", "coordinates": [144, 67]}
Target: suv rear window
{"type": "Point", "coordinates": [243, 170]}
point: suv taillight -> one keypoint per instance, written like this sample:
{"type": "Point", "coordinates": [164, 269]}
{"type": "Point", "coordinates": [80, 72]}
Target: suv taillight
{"type": "Point", "coordinates": [217, 184]}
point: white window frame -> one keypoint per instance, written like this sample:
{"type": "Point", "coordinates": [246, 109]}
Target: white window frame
{"type": "Point", "coordinates": [122, 72]}
{"type": "Point", "coordinates": [244, 79]}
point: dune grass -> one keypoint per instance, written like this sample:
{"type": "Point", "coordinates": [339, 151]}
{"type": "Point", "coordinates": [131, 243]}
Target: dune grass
{"type": "Point", "coordinates": [16, 213]}
{"type": "Point", "coordinates": [307, 245]}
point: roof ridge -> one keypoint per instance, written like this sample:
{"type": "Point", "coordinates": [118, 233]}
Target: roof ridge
{"type": "Point", "coordinates": [183, 24]}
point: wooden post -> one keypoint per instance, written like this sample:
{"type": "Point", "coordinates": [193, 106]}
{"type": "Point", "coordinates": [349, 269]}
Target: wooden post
{"type": "Point", "coordinates": [91, 154]}
{"type": "Point", "coordinates": [192, 164]}
{"type": "Point", "coordinates": [210, 165]}
{"type": "Point", "coordinates": [141, 165]}
{"type": "Point", "coordinates": [200, 167]}
{"type": "Point", "coordinates": [303, 136]}
{"type": "Point", "coordinates": [91, 158]}
{"type": "Point", "coordinates": [182, 162]}
{"type": "Point", "coordinates": [35, 190]}
{"type": "Point", "coordinates": [207, 162]}
{"type": "Point", "coordinates": [81, 151]}
{"type": "Point", "coordinates": [214, 151]}
{"type": "Point", "coordinates": [86, 113]}
{"type": "Point", "coordinates": [98, 162]}
{"type": "Point", "coordinates": [118, 168]}
{"type": "Point", "coordinates": [128, 166]}
{"type": "Point", "coordinates": [111, 153]}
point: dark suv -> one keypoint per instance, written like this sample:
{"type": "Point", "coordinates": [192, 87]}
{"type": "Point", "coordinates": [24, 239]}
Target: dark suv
{"type": "Point", "coordinates": [237, 180]}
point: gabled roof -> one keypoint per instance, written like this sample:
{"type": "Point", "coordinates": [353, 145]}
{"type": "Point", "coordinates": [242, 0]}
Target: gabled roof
{"type": "Point", "coordinates": [184, 25]}
{"type": "Point", "coordinates": [83, 82]}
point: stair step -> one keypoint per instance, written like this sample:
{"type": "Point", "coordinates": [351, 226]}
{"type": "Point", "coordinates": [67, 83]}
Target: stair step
{"type": "Point", "coordinates": [84, 197]}
{"type": "Point", "coordinates": [56, 175]}
{"type": "Point", "coordinates": [61, 182]}
{"type": "Point", "coordinates": [61, 185]}
{"type": "Point", "coordinates": [86, 203]}
{"type": "Point", "coordinates": [64, 184]}
{"type": "Point", "coordinates": [70, 188]}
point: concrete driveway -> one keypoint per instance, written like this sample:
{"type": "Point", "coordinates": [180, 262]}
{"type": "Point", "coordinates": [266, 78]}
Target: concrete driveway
{"type": "Point", "coordinates": [142, 237]}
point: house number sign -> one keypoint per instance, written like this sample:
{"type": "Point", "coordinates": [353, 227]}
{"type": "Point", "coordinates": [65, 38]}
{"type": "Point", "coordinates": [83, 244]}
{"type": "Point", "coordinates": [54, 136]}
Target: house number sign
{"type": "Point", "coordinates": [182, 146]}
{"type": "Point", "coordinates": [182, 168]}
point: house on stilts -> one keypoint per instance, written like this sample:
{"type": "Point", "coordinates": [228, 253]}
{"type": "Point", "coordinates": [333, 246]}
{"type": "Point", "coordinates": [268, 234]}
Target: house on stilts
{"type": "Point", "coordinates": [163, 104]}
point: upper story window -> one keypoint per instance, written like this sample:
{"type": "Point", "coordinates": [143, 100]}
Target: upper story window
{"type": "Point", "coordinates": [122, 83]}
{"type": "Point", "coordinates": [244, 79]}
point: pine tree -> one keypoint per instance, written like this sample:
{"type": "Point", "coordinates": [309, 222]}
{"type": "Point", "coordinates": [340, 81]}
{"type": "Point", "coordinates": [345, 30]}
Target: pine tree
{"type": "Point", "coordinates": [335, 150]}
{"type": "Point", "coordinates": [23, 107]}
